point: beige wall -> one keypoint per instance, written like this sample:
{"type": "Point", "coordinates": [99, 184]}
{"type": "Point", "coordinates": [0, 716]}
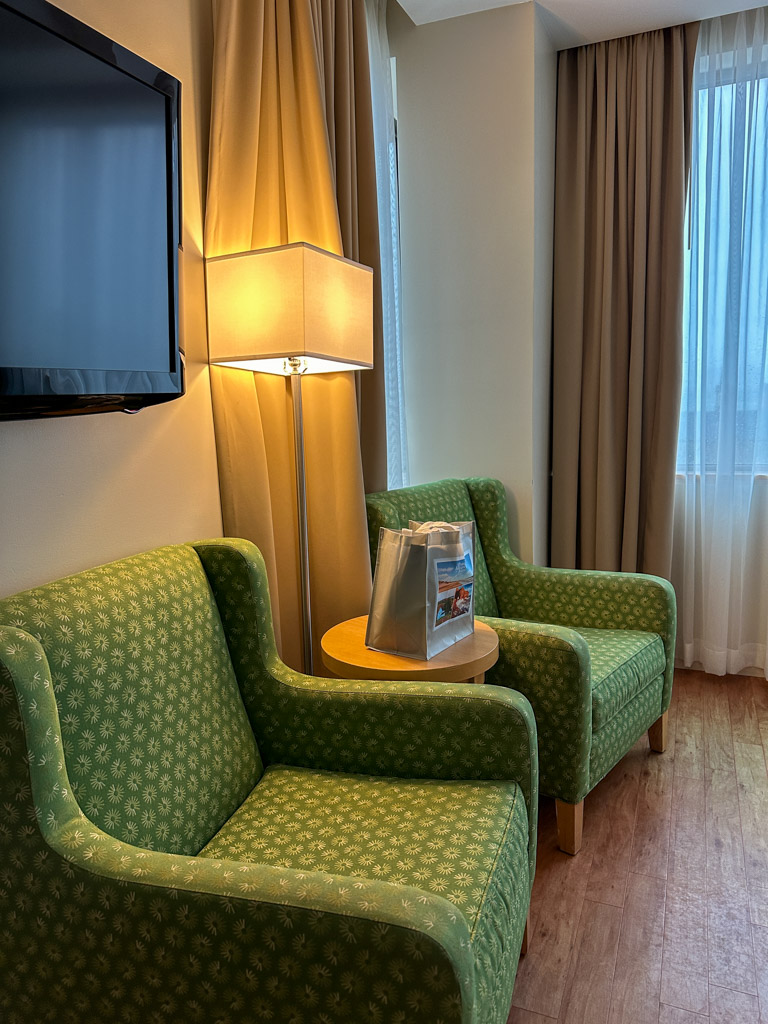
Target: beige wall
{"type": "Point", "coordinates": [544, 111]}
{"type": "Point", "coordinates": [476, 134]}
{"type": "Point", "coordinates": [78, 491]}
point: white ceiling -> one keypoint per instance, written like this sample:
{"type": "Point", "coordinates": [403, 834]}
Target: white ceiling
{"type": "Point", "coordinates": [574, 22]}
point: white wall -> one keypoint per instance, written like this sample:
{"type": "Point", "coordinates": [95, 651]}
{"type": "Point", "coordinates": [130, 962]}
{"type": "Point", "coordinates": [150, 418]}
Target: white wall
{"type": "Point", "coordinates": [78, 491]}
{"type": "Point", "coordinates": [476, 223]}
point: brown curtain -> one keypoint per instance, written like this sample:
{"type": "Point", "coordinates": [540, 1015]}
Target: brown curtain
{"type": "Point", "coordinates": [292, 160]}
{"type": "Point", "coordinates": [342, 41]}
{"type": "Point", "coordinates": [622, 159]}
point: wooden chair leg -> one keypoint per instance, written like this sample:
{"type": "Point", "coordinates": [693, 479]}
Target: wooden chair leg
{"type": "Point", "coordinates": [570, 824]}
{"type": "Point", "coordinates": [657, 734]}
{"type": "Point", "coordinates": [526, 935]}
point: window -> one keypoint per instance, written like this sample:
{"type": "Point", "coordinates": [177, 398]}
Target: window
{"type": "Point", "coordinates": [724, 415]}
{"type": "Point", "coordinates": [720, 545]}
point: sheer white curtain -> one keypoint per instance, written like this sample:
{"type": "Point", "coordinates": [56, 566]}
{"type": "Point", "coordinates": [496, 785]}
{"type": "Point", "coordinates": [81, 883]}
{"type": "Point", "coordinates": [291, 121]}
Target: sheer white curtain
{"type": "Point", "coordinates": [389, 239]}
{"type": "Point", "coordinates": [720, 560]}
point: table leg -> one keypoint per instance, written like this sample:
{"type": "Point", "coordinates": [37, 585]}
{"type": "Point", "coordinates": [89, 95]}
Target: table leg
{"type": "Point", "coordinates": [477, 679]}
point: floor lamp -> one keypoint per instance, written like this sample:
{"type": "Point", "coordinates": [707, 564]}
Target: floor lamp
{"type": "Point", "coordinates": [291, 310]}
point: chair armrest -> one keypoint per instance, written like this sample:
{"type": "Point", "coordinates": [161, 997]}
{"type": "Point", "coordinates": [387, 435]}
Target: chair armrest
{"type": "Point", "coordinates": [550, 665]}
{"type": "Point", "coordinates": [184, 938]}
{"type": "Point", "coordinates": [258, 936]}
{"type": "Point", "coordinates": [406, 729]}
{"type": "Point", "coordinates": [571, 597]}
{"type": "Point", "coordinates": [604, 600]}
{"type": "Point", "coordinates": [403, 729]}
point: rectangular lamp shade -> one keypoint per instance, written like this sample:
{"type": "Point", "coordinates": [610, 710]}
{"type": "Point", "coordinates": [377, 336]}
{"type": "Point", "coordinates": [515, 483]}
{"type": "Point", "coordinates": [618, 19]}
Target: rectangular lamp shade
{"type": "Point", "coordinates": [267, 305]}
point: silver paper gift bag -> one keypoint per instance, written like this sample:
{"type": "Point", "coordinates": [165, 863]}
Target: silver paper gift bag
{"type": "Point", "coordinates": [423, 589]}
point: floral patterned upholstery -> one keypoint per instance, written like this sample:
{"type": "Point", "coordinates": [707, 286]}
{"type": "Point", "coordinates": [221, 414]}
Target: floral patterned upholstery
{"type": "Point", "coordinates": [592, 651]}
{"type": "Point", "coordinates": [448, 501]}
{"type": "Point", "coordinates": [446, 838]}
{"type": "Point", "coordinates": [142, 704]}
{"type": "Point", "coordinates": [622, 662]}
{"type": "Point", "coordinates": [158, 746]}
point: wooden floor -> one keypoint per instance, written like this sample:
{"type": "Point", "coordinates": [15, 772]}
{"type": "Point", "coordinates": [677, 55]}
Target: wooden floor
{"type": "Point", "coordinates": [663, 916]}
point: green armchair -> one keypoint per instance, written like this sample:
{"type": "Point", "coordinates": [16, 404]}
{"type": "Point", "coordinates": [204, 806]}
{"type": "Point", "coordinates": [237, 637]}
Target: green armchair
{"type": "Point", "coordinates": [192, 832]}
{"type": "Point", "coordinates": [592, 651]}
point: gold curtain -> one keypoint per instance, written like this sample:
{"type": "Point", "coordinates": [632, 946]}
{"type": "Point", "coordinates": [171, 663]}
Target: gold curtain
{"type": "Point", "coordinates": [622, 159]}
{"type": "Point", "coordinates": [292, 160]}
{"type": "Point", "coordinates": [342, 40]}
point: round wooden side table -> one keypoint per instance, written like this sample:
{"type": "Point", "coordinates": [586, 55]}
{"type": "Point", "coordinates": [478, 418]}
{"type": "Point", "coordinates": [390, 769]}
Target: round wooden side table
{"type": "Point", "coordinates": [345, 654]}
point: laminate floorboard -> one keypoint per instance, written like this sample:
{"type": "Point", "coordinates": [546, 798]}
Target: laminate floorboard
{"type": "Point", "coordinates": [662, 918]}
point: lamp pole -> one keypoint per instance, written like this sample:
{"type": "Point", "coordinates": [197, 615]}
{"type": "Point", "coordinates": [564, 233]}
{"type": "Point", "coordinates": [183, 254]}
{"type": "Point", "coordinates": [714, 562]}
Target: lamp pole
{"type": "Point", "coordinates": [263, 306]}
{"type": "Point", "coordinates": [297, 368]}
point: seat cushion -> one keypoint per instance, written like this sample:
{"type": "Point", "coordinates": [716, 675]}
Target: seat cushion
{"type": "Point", "coordinates": [465, 841]}
{"type": "Point", "coordinates": [624, 662]}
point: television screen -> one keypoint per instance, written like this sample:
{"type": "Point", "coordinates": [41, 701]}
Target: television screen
{"type": "Point", "coordinates": [89, 219]}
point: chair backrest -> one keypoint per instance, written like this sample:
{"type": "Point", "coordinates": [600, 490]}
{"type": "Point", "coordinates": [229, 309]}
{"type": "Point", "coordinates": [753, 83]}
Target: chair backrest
{"type": "Point", "coordinates": [157, 743]}
{"type": "Point", "coordinates": [446, 500]}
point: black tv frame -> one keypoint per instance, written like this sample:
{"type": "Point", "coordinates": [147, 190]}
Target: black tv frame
{"type": "Point", "coordinates": [31, 392]}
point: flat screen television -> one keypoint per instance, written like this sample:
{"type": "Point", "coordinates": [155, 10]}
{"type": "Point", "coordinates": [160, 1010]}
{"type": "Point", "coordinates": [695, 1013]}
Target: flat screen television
{"type": "Point", "coordinates": [89, 220]}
